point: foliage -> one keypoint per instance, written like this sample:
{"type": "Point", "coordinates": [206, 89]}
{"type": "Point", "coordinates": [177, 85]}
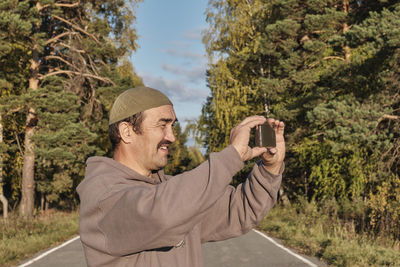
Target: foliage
{"type": "Point", "coordinates": [180, 157]}
{"type": "Point", "coordinates": [330, 71]}
{"type": "Point", "coordinates": [60, 63]}
{"type": "Point", "coordinates": [384, 205]}
{"type": "Point", "coordinates": [62, 141]}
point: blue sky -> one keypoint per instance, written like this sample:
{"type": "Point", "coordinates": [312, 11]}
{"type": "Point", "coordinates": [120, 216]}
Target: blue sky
{"type": "Point", "coordinates": [171, 56]}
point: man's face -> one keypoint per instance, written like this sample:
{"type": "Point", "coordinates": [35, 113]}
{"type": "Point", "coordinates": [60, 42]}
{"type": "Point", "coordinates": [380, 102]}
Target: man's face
{"type": "Point", "coordinates": [151, 148]}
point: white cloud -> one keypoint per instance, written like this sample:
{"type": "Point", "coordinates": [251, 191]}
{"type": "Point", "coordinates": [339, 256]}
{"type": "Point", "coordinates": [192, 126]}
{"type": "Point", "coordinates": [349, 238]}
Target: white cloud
{"type": "Point", "coordinates": [183, 48]}
{"type": "Point", "coordinates": [196, 74]}
{"type": "Point", "coordinates": [186, 54]}
{"type": "Point", "coordinates": [182, 44]}
{"type": "Point", "coordinates": [194, 34]}
{"type": "Point", "coordinates": [174, 89]}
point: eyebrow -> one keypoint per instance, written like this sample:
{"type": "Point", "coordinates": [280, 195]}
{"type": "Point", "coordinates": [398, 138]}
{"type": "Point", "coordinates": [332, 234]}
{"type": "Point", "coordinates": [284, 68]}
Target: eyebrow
{"type": "Point", "coordinates": [168, 120]}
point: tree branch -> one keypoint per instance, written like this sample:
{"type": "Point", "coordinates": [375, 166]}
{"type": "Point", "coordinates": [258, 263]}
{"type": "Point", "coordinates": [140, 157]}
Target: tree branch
{"type": "Point", "coordinates": [93, 66]}
{"type": "Point", "coordinates": [325, 58]}
{"type": "Point", "coordinates": [40, 7]}
{"type": "Point", "coordinates": [58, 37]}
{"type": "Point", "coordinates": [77, 28]}
{"type": "Point", "coordinates": [61, 59]}
{"type": "Point", "coordinates": [19, 144]}
{"type": "Point", "coordinates": [68, 5]}
{"type": "Point", "coordinates": [317, 32]}
{"type": "Point", "coordinates": [389, 117]}
{"type": "Point", "coordinates": [72, 48]}
{"type": "Point", "coordinates": [334, 57]}
{"type": "Point", "coordinates": [15, 110]}
{"type": "Point", "coordinates": [69, 72]}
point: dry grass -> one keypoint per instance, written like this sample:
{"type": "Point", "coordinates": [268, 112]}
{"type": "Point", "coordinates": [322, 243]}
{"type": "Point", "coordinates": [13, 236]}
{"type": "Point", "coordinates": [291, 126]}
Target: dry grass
{"type": "Point", "coordinates": [20, 239]}
{"type": "Point", "coordinates": [333, 241]}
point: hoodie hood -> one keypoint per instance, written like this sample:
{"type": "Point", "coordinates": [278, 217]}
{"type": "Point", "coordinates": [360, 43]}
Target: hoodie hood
{"type": "Point", "coordinates": [108, 167]}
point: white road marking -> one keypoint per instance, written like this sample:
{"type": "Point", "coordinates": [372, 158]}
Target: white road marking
{"type": "Point", "coordinates": [258, 232]}
{"type": "Point", "coordinates": [49, 251]}
{"type": "Point", "coordinates": [286, 249]}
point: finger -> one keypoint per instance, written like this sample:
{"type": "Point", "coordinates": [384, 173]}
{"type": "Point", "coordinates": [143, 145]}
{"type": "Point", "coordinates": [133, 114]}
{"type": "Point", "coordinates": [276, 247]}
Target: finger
{"type": "Point", "coordinates": [257, 151]}
{"type": "Point", "coordinates": [271, 122]}
{"type": "Point", "coordinates": [281, 128]}
{"type": "Point", "coordinates": [252, 123]}
{"type": "Point", "coordinates": [275, 124]}
{"type": "Point", "coordinates": [272, 150]}
{"type": "Point", "coordinates": [268, 156]}
{"type": "Point", "coordinates": [252, 119]}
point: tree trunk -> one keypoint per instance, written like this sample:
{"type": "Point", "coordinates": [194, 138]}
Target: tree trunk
{"type": "Point", "coordinates": [28, 169]}
{"type": "Point", "coordinates": [3, 199]}
{"type": "Point", "coordinates": [42, 203]}
{"type": "Point", "coordinates": [28, 172]}
{"type": "Point", "coordinates": [345, 28]}
{"type": "Point", "coordinates": [46, 205]}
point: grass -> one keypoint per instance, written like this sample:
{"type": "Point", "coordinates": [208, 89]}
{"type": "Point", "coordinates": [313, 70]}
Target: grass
{"type": "Point", "coordinates": [20, 239]}
{"type": "Point", "coordinates": [331, 240]}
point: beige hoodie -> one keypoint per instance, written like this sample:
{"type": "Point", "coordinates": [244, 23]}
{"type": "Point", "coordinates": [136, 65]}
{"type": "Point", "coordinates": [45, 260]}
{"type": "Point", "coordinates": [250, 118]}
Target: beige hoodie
{"type": "Point", "coordinates": [127, 219]}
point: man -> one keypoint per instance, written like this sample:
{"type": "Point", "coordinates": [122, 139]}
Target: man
{"type": "Point", "coordinates": [132, 214]}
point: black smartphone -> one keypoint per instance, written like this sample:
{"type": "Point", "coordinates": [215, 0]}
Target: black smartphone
{"type": "Point", "coordinates": [265, 136]}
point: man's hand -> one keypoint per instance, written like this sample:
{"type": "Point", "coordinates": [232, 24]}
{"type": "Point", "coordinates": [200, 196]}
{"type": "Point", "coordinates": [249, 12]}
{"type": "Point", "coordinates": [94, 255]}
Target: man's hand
{"type": "Point", "coordinates": [240, 135]}
{"type": "Point", "coordinates": [274, 157]}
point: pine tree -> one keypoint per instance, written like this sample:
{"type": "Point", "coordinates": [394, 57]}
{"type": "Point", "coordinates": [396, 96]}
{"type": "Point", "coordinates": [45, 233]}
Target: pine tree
{"type": "Point", "coordinates": [71, 41]}
{"type": "Point", "coordinates": [330, 70]}
{"type": "Point", "coordinates": [178, 156]}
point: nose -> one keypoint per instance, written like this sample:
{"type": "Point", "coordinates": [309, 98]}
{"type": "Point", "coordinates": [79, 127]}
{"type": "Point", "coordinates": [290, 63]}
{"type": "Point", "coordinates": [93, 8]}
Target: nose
{"type": "Point", "coordinates": [169, 135]}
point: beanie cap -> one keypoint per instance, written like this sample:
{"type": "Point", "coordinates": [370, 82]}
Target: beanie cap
{"type": "Point", "coordinates": [135, 100]}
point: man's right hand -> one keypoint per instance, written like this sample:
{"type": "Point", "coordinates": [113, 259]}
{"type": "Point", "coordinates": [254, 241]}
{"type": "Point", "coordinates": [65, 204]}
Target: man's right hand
{"type": "Point", "coordinates": [240, 135]}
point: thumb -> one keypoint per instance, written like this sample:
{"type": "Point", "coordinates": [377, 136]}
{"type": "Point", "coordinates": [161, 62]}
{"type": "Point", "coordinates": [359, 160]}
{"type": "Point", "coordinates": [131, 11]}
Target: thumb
{"type": "Point", "coordinates": [257, 151]}
{"type": "Point", "coordinates": [272, 150]}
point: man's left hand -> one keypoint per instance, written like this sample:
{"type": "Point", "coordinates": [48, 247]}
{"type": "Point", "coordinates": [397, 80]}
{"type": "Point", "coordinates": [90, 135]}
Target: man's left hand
{"type": "Point", "coordinates": [273, 158]}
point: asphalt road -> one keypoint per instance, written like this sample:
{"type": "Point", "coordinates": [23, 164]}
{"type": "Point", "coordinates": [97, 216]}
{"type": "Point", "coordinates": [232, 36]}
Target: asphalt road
{"type": "Point", "coordinates": [250, 250]}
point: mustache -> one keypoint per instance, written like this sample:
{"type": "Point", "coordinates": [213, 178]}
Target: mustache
{"type": "Point", "coordinates": [164, 142]}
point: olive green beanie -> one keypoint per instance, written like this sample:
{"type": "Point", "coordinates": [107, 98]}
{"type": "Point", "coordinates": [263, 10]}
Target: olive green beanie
{"type": "Point", "coordinates": [136, 100]}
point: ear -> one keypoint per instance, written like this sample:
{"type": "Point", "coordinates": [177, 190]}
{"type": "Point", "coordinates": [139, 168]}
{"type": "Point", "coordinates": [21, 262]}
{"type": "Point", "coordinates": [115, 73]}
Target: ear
{"type": "Point", "coordinates": [125, 132]}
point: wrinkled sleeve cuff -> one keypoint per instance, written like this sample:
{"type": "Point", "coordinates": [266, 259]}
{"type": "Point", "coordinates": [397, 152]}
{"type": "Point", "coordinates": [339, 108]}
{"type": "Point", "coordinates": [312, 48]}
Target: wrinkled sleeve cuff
{"type": "Point", "coordinates": [264, 172]}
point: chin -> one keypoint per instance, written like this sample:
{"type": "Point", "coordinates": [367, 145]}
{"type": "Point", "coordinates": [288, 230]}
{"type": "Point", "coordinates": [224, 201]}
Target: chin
{"type": "Point", "coordinates": [162, 165]}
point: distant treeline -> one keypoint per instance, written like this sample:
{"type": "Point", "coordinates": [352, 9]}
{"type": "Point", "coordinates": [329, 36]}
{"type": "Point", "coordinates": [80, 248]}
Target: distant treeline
{"type": "Point", "coordinates": [331, 71]}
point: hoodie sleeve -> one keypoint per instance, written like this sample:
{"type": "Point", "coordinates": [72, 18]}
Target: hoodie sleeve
{"type": "Point", "coordinates": [242, 208]}
{"type": "Point", "coordinates": [144, 217]}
